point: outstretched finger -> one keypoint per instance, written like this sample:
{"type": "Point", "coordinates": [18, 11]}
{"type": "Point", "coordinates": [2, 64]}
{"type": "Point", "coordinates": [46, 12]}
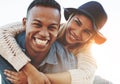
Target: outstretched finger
{"type": "Point", "coordinates": [11, 74]}
{"type": "Point", "coordinates": [12, 80]}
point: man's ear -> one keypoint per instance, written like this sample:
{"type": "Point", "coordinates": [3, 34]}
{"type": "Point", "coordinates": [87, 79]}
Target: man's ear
{"type": "Point", "coordinates": [24, 22]}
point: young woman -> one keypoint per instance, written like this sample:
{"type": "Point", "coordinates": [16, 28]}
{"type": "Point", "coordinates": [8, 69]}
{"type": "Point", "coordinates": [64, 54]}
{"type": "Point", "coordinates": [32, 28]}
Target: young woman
{"type": "Point", "coordinates": [77, 35]}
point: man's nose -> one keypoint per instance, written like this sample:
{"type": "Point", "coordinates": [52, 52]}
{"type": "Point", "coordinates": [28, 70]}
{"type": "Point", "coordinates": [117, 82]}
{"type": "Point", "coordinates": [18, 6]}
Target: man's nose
{"type": "Point", "coordinates": [44, 32]}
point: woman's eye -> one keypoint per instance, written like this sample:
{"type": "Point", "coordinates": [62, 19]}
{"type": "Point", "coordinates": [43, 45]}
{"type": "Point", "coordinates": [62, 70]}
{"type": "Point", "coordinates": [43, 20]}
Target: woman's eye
{"type": "Point", "coordinates": [87, 31]}
{"type": "Point", "coordinates": [77, 22]}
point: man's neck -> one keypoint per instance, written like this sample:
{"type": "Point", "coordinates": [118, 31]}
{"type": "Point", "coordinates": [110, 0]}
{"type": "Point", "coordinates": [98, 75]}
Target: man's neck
{"type": "Point", "coordinates": [37, 58]}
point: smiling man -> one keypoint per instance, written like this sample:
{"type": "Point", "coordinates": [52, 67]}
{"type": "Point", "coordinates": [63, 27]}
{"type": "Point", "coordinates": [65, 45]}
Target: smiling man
{"type": "Point", "coordinates": [41, 31]}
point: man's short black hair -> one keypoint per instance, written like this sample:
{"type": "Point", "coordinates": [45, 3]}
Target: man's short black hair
{"type": "Point", "coordinates": [46, 3]}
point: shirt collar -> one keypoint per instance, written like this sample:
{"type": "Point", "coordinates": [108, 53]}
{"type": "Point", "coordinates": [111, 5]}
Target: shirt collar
{"type": "Point", "coordinates": [52, 57]}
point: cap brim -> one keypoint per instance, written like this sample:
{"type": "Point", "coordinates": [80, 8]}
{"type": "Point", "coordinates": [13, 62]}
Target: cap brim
{"type": "Point", "coordinates": [99, 38]}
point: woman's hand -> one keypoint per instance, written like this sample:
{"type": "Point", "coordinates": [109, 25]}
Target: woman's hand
{"type": "Point", "coordinates": [16, 77]}
{"type": "Point", "coordinates": [34, 76]}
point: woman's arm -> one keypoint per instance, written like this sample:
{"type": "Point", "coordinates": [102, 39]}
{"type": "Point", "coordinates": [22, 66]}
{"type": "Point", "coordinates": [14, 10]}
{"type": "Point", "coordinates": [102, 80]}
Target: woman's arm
{"type": "Point", "coordinates": [86, 68]}
{"type": "Point", "coordinates": [12, 53]}
{"type": "Point", "coordinates": [84, 74]}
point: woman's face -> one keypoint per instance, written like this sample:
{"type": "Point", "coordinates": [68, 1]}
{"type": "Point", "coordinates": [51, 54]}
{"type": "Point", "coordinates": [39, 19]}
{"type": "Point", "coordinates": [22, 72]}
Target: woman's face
{"type": "Point", "coordinates": [79, 29]}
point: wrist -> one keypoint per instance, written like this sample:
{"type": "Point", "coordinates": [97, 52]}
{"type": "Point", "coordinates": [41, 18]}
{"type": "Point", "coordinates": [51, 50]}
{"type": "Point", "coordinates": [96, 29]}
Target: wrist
{"type": "Point", "coordinates": [27, 69]}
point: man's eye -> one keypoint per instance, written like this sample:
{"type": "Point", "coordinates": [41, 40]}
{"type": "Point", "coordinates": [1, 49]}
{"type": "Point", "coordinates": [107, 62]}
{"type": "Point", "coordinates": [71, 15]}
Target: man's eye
{"type": "Point", "coordinates": [53, 27]}
{"type": "Point", "coordinates": [37, 25]}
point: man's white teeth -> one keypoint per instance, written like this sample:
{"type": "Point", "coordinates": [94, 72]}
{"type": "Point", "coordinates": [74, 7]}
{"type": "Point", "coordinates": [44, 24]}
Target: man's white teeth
{"type": "Point", "coordinates": [41, 42]}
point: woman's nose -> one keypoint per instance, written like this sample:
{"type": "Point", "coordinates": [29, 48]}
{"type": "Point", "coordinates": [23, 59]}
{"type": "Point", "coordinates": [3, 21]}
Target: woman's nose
{"type": "Point", "coordinates": [78, 31]}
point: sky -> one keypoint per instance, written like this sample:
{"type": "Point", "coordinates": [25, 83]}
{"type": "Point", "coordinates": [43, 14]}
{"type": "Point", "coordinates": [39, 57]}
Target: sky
{"type": "Point", "coordinates": [107, 55]}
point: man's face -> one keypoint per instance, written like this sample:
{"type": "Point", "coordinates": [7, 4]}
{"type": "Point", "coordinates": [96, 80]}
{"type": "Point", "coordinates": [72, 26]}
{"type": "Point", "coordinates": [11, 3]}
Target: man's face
{"type": "Point", "coordinates": [42, 27]}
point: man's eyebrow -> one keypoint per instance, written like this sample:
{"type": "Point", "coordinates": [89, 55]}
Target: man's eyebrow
{"type": "Point", "coordinates": [37, 20]}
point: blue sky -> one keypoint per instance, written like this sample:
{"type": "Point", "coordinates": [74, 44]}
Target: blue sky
{"type": "Point", "coordinates": [107, 54]}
